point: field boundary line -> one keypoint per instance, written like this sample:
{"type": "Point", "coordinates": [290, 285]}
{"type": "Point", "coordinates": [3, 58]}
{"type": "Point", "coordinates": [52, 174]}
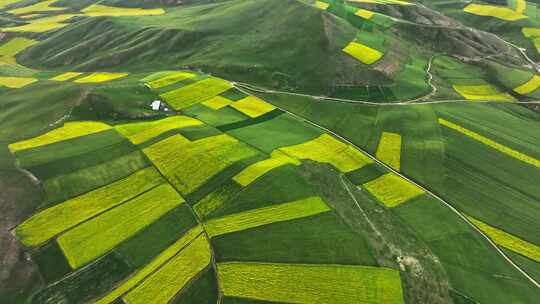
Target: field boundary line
{"type": "Point", "coordinates": [207, 236]}
{"type": "Point", "coordinates": [12, 230]}
{"type": "Point", "coordinates": [440, 199]}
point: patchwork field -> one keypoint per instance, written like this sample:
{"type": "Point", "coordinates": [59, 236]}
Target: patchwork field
{"type": "Point", "coordinates": [143, 131]}
{"type": "Point", "coordinates": [265, 216]}
{"type": "Point", "coordinates": [83, 244]}
{"type": "Point", "coordinates": [327, 149]}
{"type": "Point", "coordinates": [52, 221]}
{"type": "Point", "coordinates": [68, 131]}
{"type": "Point", "coordinates": [194, 93]}
{"type": "Point", "coordinates": [188, 164]}
{"type": "Point", "coordinates": [170, 253]}
{"type": "Point", "coordinates": [251, 173]}
{"type": "Point", "coordinates": [302, 151]}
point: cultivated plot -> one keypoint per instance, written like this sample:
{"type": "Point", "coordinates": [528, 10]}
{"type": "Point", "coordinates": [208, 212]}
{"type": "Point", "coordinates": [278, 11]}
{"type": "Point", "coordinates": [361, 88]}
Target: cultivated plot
{"type": "Point", "coordinates": [67, 131]}
{"type": "Point", "coordinates": [266, 215]}
{"type": "Point", "coordinates": [196, 92]}
{"type": "Point", "coordinates": [392, 190]}
{"type": "Point", "coordinates": [99, 77]}
{"type": "Point", "coordinates": [157, 263]}
{"type": "Point", "coordinates": [389, 150]}
{"type": "Point", "coordinates": [139, 132]}
{"type": "Point", "coordinates": [95, 237]}
{"type": "Point", "coordinates": [327, 149]}
{"type": "Point", "coordinates": [301, 283]}
{"type": "Point", "coordinates": [189, 164]}
{"type": "Point", "coordinates": [52, 221]}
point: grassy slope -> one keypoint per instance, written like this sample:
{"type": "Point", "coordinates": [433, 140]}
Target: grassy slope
{"type": "Point", "coordinates": [237, 39]}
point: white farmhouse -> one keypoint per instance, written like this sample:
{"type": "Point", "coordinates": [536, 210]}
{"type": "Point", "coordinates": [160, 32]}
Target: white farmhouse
{"type": "Point", "coordinates": [156, 104]}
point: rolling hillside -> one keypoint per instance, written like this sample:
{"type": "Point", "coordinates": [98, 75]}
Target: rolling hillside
{"type": "Point", "coordinates": [300, 151]}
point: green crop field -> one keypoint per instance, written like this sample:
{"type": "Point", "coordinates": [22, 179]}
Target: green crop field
{"type": "Point", "coordinates": [55, 220]}
{"type": "Point", "coordinates": [269, 151]}
{"type": "Point", "coordinates": [265, 216]}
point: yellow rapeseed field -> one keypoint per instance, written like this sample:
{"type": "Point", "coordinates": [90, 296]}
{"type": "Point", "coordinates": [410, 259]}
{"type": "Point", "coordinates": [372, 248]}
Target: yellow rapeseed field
{"type": "Point", "coordinates": [392, 190]}
{"type": "Point", "coordinates": [147, 270]}
{"type": "Point", "coordinates": [165, 283]}
{"type": "Point", "coordinates": [327, 149]}
{"type": "Point", "coordinates": [266, 215]}
{"type": "Point", "coordinates": [253, 172]}
{"type": "Point", "coordinates": [96, 10]}
{"type": "Point", "coordinates": [43, 6]}
{"type": "Point", "coordinates": [16, 82]}
{"type": "Point", "coordinates": [41, 25]}
{"type": "Point", "coordinates": [215, 199]}
{"type": "Point", "coordinates": [170, 79]}
{"type": "Point", "coordinates": [217, 102]}
{"type": "Point", "coordinates": [364, 13]}
{"type": "Point", "coordinates": [529, 86]}
{"type": "Point", "coordinates": [189, 164]}
{"type": "Point", "coordinates": [252, 106]}
{"type": "Point", "coordinates": [100, 77]}
{"type": "Point", "coordinates": [508, 240]}
{"type": "Point", "coordinates": [363, 53]}
{"type": "Point", "coordinates": [493, 144]}
{"type": "Point", "coordinates": [68, 131]}
{"type": "Point", "coordinates": [140, 132]}
{"type": "Point", "coordinates": [389, 150]}
{"type": "Point", "coordinates": [196, 92]}
{"type": "Point", "coordinates": [531, 32]}
{"type": "Point", "coordinates": [50, 222]}
{"type": "Point", "coordinates": [66, 76]}
{"type": "Point", "coordinates": [501, 12]}
{"type": "Point", "coordinates": [482, 92]}
{"type": "Point", "coordinates": [95, 237]}
{"type": "Point", "coordinates": [322, 5]}
{"type": "Point", "coordinates": [10, 49]}
{"type": "Point", "coordinates": [310, 283]}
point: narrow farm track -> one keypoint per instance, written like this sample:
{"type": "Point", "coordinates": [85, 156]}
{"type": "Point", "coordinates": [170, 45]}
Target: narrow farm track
{"type": "Point", "coordinates": [440, 199]}
{"type": "Point", "coordinates": [249, 87]}
{"type": "Point", "coordinates": [368, 220]}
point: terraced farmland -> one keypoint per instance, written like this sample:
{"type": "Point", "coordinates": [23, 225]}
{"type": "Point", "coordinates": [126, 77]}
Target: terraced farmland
{"type": "Point", "coordinates": [269, 151]}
